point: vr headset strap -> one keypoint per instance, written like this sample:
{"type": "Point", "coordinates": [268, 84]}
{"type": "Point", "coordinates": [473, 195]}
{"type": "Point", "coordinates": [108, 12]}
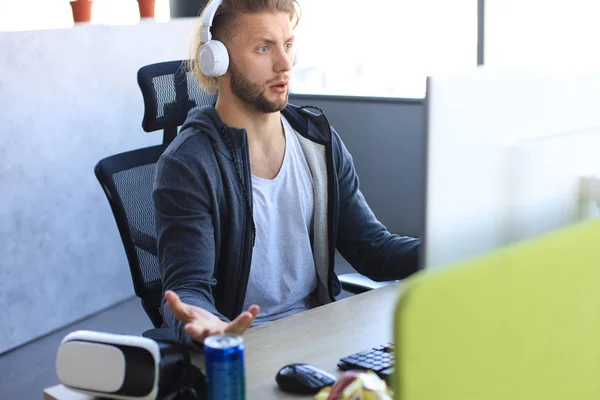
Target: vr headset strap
{"type": "Point", "coordinates": [191, 384]}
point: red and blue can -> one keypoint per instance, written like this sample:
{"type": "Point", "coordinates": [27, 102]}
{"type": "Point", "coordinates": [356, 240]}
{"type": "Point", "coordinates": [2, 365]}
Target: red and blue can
{"type": "Point", "coordinates": [224, 358]}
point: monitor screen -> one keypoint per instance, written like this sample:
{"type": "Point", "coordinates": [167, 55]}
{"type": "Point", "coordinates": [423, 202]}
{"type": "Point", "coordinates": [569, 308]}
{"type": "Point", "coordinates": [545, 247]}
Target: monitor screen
{"type": "Point", "coordinates": [506, 155]}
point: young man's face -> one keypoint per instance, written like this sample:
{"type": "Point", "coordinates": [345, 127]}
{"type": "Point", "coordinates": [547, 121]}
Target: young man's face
{"type": "Point", "coordinates": [261, 58]}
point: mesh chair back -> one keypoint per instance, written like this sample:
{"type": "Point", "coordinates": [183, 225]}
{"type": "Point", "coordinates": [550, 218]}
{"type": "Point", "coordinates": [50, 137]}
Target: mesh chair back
{"type": "Point", "coordinates": [127, 179]}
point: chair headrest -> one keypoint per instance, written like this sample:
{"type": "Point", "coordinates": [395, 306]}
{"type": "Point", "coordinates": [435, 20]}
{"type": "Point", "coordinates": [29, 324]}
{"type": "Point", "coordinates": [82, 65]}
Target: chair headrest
{"type": "Point", "coordinates": [170, 90]}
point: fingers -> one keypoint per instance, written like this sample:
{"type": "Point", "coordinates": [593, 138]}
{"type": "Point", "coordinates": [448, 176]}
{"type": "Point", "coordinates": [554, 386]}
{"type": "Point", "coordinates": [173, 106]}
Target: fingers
{"type": "Point", "coordinates": [180, 309]}
{"type": "Point", "coordinates": [254, 310]}
{"type": "Point", "coordinates": [200, 328]}
{"type": "Point", "coordinates": [243, 321]}
{"type": "Point", "coordinates": [199, 333]}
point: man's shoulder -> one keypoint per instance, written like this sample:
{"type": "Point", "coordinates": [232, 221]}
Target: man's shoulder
{"type": "Point", "coordinates": [195, 138]}
{"type": "Point", "coordinates": [189, 147]}
{"type": "Point", "coordinates": [302, 114]}
{"type": "Point", "coordinates": [309, 121]}
{"type": "Point", "coordinates": [188, 157]}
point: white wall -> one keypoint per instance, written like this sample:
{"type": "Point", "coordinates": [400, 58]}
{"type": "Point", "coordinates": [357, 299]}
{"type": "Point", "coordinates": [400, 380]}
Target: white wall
{"type": "Point", "coordinates": [67, 99]}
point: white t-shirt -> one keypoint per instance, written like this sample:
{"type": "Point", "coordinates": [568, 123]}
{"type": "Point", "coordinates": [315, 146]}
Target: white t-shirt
{"type": "Point", "coordinates": [282, 272]}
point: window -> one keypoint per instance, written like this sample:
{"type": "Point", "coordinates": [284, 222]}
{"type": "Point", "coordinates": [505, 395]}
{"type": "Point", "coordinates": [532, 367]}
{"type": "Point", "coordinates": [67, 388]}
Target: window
{"type": "Point", "coordinates": [19, 15]}
{"type": "Point", "coordinates": [547, 35]}
{"type": "Point", "coordinates": [383, 49]}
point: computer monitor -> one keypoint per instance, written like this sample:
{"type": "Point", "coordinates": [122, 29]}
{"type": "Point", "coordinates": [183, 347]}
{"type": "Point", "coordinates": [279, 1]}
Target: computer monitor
{"type": "Point", "coordinates": [506, 151]}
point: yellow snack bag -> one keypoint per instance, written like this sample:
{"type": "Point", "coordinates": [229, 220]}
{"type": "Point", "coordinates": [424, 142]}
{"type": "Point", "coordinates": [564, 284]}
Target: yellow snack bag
{"type": "Point", "coordinates": [355, 385]}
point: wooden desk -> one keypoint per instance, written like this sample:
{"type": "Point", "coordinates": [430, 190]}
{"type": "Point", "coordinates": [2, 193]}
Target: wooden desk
{"type": "Point", "coordinates": [320, 337]}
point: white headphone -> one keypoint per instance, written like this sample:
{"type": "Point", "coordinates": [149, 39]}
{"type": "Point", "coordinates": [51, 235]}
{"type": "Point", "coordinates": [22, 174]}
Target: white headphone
{"type": "Point", "coordinates": [213, 57]}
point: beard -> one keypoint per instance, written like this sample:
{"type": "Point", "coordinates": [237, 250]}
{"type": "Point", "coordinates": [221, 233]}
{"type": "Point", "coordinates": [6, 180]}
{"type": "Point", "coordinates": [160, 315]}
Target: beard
{"type": "Point", "coordinates": [251, 94]}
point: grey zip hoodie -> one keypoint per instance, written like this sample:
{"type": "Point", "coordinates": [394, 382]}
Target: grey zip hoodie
{"type": "Point", "coordinates": [203, 200]}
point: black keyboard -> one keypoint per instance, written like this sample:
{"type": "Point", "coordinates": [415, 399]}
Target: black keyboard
{"type": "Point", "coordinates": [379, 359]}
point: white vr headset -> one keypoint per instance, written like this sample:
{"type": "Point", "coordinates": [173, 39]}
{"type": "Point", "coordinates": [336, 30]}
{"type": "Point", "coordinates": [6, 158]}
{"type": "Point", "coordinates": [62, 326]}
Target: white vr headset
{"type": "Point", "coordinates": [126, 367]}
{"type": "Point", "coordinates": [213, 57]}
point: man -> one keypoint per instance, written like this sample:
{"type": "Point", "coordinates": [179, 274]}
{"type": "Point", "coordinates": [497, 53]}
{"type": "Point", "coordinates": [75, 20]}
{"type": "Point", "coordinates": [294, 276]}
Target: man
{"type": "Point", "coordinates": [254, 195]}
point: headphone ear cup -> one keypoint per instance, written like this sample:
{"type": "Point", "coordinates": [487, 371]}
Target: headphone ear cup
{"type": "Point", "coordinates": [213, 58]}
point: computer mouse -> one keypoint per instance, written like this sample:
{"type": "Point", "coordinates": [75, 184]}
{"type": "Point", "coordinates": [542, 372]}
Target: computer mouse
{"type": "Point", "coordinates": [303, 379]}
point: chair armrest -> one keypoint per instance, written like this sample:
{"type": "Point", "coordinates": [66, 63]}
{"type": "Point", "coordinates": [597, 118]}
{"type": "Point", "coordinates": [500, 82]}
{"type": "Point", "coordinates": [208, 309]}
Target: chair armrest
{"type": "Point", "coordinates": [357, 283]}
{"type": "Point", "coordinates": [160, 334]}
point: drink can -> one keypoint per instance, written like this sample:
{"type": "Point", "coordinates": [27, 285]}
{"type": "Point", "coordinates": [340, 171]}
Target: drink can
{"type": "Point", "coordinates": [224, 358]}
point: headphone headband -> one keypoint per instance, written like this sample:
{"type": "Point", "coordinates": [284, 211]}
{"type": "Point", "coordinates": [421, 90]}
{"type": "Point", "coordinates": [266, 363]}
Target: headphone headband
{"type": "Point", "coordinates": [207, 20]}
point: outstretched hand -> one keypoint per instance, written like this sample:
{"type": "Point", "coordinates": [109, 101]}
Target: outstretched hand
{"type": "Point", "coordinates": [199, 323]}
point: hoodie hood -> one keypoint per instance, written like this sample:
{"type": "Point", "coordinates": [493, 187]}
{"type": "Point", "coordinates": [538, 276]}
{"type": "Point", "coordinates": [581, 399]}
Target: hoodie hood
{"type": "Point", "coordinates": [309, 124]}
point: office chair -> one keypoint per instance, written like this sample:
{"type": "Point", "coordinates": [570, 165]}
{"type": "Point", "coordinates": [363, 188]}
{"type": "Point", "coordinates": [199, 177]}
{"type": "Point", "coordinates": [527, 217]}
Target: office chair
{"type": "Point", "coordinates": [169, 92]}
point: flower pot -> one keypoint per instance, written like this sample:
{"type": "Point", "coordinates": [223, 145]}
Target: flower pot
{"type": "Point", "coordinates": [82, 10]}
{"type": "Point", "coordinates": [146, 8]}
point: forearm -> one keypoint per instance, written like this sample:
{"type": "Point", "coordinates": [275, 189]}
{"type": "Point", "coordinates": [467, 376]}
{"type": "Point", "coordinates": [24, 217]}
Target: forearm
{"type": "Point", "coordinates": [379, 254]}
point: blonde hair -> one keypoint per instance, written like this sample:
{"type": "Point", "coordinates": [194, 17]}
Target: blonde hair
{"type": "Point", "coordinates": [223, 28]}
